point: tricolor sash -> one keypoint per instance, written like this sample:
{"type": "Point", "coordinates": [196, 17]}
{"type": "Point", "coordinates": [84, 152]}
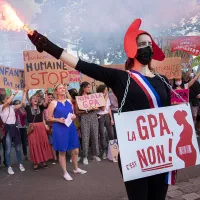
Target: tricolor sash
{"type": "Point", "coordinates": [154, 102]}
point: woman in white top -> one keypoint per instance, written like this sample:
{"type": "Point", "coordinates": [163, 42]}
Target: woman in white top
{"type": "Point", "coordinates": [7, 113]}
{"type": "Point", "coordinates": [105, 120]}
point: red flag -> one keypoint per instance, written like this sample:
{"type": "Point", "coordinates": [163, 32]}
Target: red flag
{"type": "Point", "coordinates": [189, 44]}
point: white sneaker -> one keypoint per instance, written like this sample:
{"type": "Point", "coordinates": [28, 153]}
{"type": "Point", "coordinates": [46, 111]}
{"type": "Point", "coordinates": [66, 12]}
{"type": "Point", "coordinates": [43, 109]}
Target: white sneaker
{"type": "Point", "coordinates": [10, 171]}
{"type": "Point", "coordinates": [104, 157]}
{"type": "Point", "coordinates": [67, 177]}
{"type": "Point", "coordinates": [96, 158]}
{"type": "Point", "coordinates": [21, 167]}
{"type": "Point", "coordinates": [85, 161]}
{"type": "Point", "coordinates": [80, 171]}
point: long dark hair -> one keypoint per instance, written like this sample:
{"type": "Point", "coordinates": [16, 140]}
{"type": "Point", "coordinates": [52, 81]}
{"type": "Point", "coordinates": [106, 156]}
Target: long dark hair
{"type": "Point", "coordinates": [175, 86]}
{"type": "Point", "coordinates": [101, 88]}
{"type": "Point", "coordinates": [82, 87]}
{"type": "Point", "coordinates": [2, 98]}
{"type": "Point", "coordinates": [15, 101]}
{"type": "Point", "coordinates": [73, 92]}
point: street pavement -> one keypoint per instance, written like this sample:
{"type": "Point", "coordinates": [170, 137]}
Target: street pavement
{"type": "Point", "coordinates": [102, 182]}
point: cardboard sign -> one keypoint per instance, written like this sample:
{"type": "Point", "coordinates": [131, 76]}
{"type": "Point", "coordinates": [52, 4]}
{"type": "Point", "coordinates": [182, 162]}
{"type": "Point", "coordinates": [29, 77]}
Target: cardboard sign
{"type": "Point", "coordinates": [155, 141]}
{"type": "Point", "coordinates": [184, 93]}
{"type": "Point", "coordinates": [170, 67]}
{"type": "Point", "coordinates": [44, 71]}
{"type": "Point", "coordinates": [11, 78]}
{"type": "Point", "coordinates": [165, 44]}
{"type": "Point", "coordinates": [189, 44]}
{"type": "Point", "coordinates": [90, 101]}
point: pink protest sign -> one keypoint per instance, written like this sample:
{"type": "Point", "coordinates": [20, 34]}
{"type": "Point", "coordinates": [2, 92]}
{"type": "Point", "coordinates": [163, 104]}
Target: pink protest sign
{"type": "Point", "coordinates": [184, 93]}
{"type": "Point", "coordinates": [86, 102]}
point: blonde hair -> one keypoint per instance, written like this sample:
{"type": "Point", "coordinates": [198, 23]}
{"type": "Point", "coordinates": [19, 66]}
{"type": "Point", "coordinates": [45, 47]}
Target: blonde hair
{"type": "Point", "coordinates": [67, 95]}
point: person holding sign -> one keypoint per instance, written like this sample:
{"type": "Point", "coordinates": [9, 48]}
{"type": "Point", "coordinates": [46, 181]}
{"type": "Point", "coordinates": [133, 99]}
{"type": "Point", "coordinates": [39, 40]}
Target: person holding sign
{"type": "Point", "coordinates": [65, 136]}
{"type": "Point", "coordinates": [89, 127]}
{"type": "Point", "coordinates": [142, 88]}
{"type": "Point", "coordinates": [7, 114]}
{"type": "Point", "coordinates": [40, 150]}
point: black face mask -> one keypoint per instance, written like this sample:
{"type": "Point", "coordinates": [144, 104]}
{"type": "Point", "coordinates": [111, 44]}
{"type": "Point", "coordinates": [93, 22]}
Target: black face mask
{"type": "Point", "coordinates": [144, 55]}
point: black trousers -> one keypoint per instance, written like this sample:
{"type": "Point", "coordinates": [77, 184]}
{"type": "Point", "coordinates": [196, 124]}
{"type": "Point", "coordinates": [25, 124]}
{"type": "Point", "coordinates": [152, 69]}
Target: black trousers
{"type": "Point", "coordinates": [149, 188]}
{"type": "Point", "coordinates": [24, 140]}
{"type": "Point", "coordinates": [114, 128]}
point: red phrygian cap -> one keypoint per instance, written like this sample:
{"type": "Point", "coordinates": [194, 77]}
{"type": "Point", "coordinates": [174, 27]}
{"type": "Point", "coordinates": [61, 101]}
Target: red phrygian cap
{"type": "Point", "coordinates": [130, 44]}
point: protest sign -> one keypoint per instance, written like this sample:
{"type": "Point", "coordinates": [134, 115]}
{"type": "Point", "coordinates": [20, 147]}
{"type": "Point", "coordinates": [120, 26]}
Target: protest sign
{"type": "Point", "coordinates": [184, 93]}
{"type": "Point", "coordinates": [11, 78]}
{"type": "Point", "coordinates": [165, 44]}
{"type": "Point", "coordinates": [44, 71]}
{"type": "Point", "coordinates": [196, 61]}
{"type": "Point", "coordinates": [170, 67]}
{"type": "Point", "coordinates": [90, 101]}
{"type": "Point", "coordinates": [189, 44]}
{"type": "Point", "coordinates": [156, 141]}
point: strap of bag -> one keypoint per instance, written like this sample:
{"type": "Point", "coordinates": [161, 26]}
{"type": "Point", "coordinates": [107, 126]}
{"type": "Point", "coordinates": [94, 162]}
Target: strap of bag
{"type": "Point", "coordinates": [34, 118]}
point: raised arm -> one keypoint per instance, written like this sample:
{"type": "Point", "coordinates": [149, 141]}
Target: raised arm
{"type": "Point", "coordinates": [8, 102]}
{"type": "Point", "coordinates": [103, 74]}
{"type": "Point", "coordinates": [45, 103]}
{"type": "Point", "coordinates": [23, 103]}
{"type": "Point", "coordinates": [27, 97]}
{"type": "Point", "coordinates": [193, 80]}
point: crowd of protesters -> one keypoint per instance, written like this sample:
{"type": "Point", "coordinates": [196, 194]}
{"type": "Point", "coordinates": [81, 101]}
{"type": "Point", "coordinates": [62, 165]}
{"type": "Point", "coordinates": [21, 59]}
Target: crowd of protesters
{"type": "Point", "coordinates": [35, 126]}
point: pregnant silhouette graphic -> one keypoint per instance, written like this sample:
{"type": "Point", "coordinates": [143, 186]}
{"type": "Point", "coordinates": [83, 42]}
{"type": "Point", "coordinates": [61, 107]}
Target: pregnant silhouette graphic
{"type": "Point", "coordinates": [185, 149]}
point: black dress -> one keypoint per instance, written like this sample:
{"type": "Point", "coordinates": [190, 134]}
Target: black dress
{"type": "Point", "coordinates": [152, 187]}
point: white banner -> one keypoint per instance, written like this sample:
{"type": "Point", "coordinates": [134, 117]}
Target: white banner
{"type": "Point", "coordinates": [155, 141]}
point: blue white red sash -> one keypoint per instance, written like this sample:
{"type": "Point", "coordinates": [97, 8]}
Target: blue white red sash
{"type": "Point", "coordinates": [152, 95]}
{"type": "Point", "coordinates": [154, 102]}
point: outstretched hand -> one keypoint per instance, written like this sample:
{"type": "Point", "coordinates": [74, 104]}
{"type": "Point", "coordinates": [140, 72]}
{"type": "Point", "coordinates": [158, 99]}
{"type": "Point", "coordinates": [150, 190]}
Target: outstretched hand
{"type": "Point", "coordinates": [43, 44]}
{"type": "Point", "coordinates": [39, 40]}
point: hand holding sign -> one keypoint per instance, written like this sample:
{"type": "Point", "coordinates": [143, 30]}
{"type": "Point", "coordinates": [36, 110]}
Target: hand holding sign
{"type": "Point", "coordinates": [93, 108]}
{"type": "Point", "coordinates": [90, 102]}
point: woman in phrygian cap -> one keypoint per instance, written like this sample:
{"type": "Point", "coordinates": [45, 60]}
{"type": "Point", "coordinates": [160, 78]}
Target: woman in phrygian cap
{"type": "Point", "coordinates": [146, 90]}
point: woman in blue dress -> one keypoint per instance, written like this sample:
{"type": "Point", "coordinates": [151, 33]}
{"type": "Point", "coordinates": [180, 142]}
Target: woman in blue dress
{"type": "Point", "coordinates": [65, 136]}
